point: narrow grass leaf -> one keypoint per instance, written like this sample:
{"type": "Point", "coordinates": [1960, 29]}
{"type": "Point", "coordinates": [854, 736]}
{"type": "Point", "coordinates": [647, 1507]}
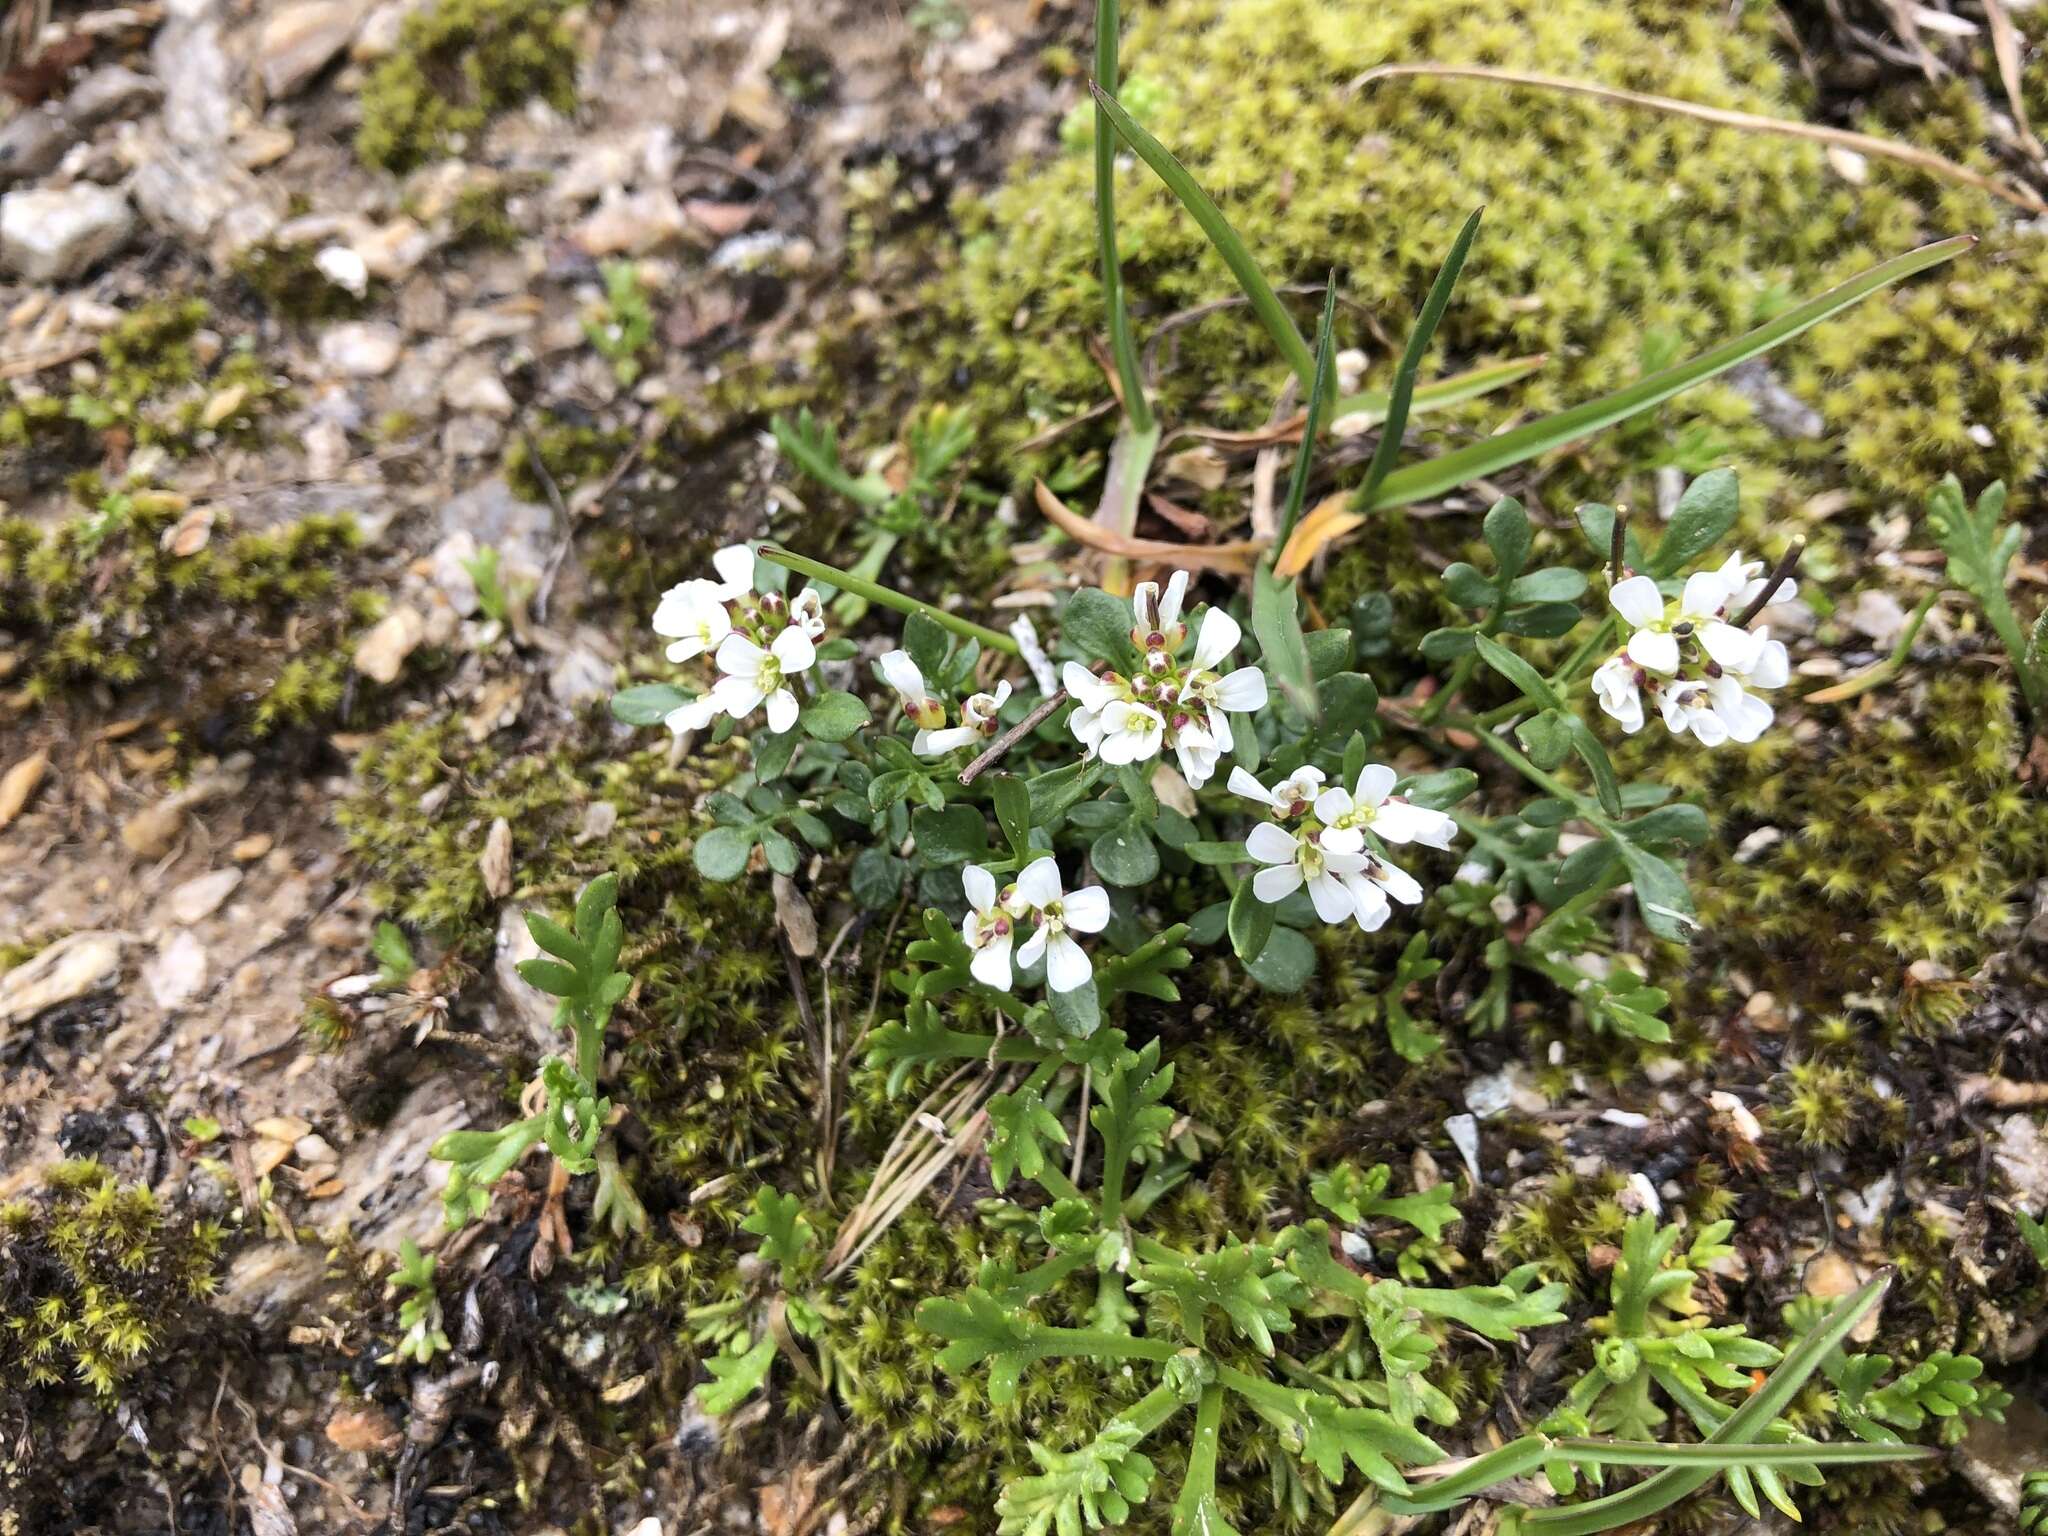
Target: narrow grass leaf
{"type": "Point", "coordinates": [1264, 301]}
{"type": "Point", "coordinates": [1420, 482]}
{"type": "Point", "coordinates": [1433, 308]}
{"type": "Point", "coordinates": [1312, 423]}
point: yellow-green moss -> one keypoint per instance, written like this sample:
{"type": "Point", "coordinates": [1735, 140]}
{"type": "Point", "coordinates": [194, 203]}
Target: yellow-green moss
{"type": "Point", "coordinates": [289, 282]}
{"type": "Point", "coordinates": [93, 1275]}
{"type": "Point", "coordinates": [460, 62]}
{"type": "Point", "coordinates": [255, 625]}
{"type": "Point", "coordinates": [1613, 238]}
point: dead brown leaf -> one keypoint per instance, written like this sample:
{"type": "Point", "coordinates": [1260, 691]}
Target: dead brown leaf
{"type": "Point", "coordinates": [1237, 557]}
{"type": "Point", "coordinates": [20, 782]}
{"type": "Point", "coordinates": [495, 863]}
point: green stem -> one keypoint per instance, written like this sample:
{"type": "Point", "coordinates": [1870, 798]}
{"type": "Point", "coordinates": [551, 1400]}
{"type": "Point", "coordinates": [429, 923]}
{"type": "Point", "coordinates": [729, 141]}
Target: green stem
{"type": "Point", "coordinates": [1561, 679]}
{"type": "Point", "coordinates": [1512, 1460]}
{"type": "Point", "coordinates": [1151, 1410]}
{"type": "Point", "coordinates": [1047, 1341]}
{"type": "Point", "coordinates": [1588, 809]}
{"type": "Point", "coordinates": [1649, 1453]}
{"type": "Point", "coordinates": [1884, 671]}
{"type": "Point", "coordinates": [851, 607]}
{"type": "Point", "coordinates": [888, 597]}
{"type": "Point", "coordinates": [1136, 407]}
{"type": "Point", "coordinates": [1198, 1492]}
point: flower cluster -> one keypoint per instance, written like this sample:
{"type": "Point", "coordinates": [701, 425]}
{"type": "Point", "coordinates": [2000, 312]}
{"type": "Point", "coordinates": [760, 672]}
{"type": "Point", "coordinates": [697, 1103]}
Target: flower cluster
{"type": "Point", "coordinates": [1687, 656]}
{"type": "Point", "coordinates": [934, 737]}
{"type": "Point", "coordinates": [760, 641]}
{"type": "Point", "coordinates": [1055, 915]}
{"type": "Point", "coordinates": [1332, 840]}
{"type": "Point", "coordinates": [1182, 703]}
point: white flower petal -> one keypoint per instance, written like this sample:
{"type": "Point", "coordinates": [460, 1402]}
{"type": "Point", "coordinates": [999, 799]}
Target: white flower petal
{"type": "Point", "coordinates": [1066, 964]}
{"type": "Point", "coordinates": [1270, 844]}
{"type": "Point", "coordinates": [1731, 647]}
{"type": "Point", "coordinates": [1032, 950]}
{"type": "Point", "coordinates": [1086, 910]}
{"type": "Point", "coordinates": [1370, 901]}
{"type": "Point", "coordinates": [991, 963]}
{"type": "Point", "coordinates": [1746, 716]}
{"type": "Point", "coordinates": [735, 567]}
{"type": "Point", "coordinates": [1400, 822]}
{"type": "Point", "coordinates": [693, 716]}
{"type": "Point", "coordinates": [1638, 600]}
{"type": "Point", "coordinates": [1243, 785]}
{"type": "Point", "coordinates": [793, 649]}
{"type": "Point", "coordinates": [903, 675]}
{"type": "Point", "coordinates": [939, 743]}
{"type": "Point", "coordinates": [1176, 593]}
{"type": "Point", "coordinates": [1705, 594]}
{"type": "Point", "coordinates": [1375, 783]}
{"type": "Point", "coordinates": [1242, 692]}
{"type": "Point", "coordinates": [737, 695]}
{"type": "Point", "coordinates": [1277, 882]}
{"type": "Point", "coordinates": [1342, 840]}
{"type": "Point", "coordinates": [1333, 804]}
{"type": "Point", "coordinates": [1771, 667]}
{"type": "Point", "coordinates": [1654, 650]}
{"type": "Point", "coordinates": [782, 710]}
{"type": "Point", "coordinates": [740, 657]}
{"type": "Point", "coordinates": [1218, 638]}
{"type": "Point", "coordinates": [1084, 685]}
{"type": "Point", "coordinates": [1038, 884]}
{"type": "Point", "coordinates": [1396, 882]}
{"type": "Point", "coordinates": [1332, 902]}
{"type": "Point", "coordinates": [980, 886]}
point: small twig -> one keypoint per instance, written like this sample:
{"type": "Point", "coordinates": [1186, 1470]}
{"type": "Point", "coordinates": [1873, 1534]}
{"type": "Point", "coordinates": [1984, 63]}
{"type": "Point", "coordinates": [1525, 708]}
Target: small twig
{"type": "Point", "coordinates": [1862, 143]}
{"type": "Point", "coordinates": [561, 509]}
{"type": "Point", "coordinates": [1012, 736]}
{"type": "Point", "coordinates": [1787, 564]}
{"type": "Point", "coordinates": [1081, 1127]}
{"type": "Point", "coordinates": [2005, 47]}
{"type": "Point", "coordinates": [1617, 546]}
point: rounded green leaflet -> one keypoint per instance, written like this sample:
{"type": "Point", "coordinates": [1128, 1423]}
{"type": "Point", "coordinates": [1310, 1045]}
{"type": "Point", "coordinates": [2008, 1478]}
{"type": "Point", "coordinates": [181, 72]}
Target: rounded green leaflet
{"type": "Point", "coordinates": [721, 853]}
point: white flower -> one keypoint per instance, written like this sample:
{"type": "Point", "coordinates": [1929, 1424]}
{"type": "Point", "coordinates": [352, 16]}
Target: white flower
{"type": "Point", "coordinates": [1744, 714]}
{"type": "Point", "coordinates": [807, 612]}
{"type": "Point", "coordinates": [735, 567]}
{"type": "Point", "coordinates": [1293, 861]}
{"type": "Point", "coordinates": [1198, 753]}
{"type": "Point", "coordinates": [1689, 706]}
{"type": "Point", "coordinates": [1372, 805]}
{"type": "Point", "coordinates": [753, 675]}
{"type": "Point", "coordinates": [904, 675]}
{"type": "Point", "coordinates": [989, 929]}
{"type": "Point", "coordinates": [693, 615]}
{"type": "Point", "coordinates": [1130, 732]}
{"type": "Point", "coordinates": [1292, 796]}
{"type": "Point", "coordinates": [1745, 580]}
{"type": "Point", "coordinates": [981, 709]}
{"type": "Point", "coordinates": [693, 716]}
{"type": "Point", "coordinates": [1156, 614]}
{"type": "Point", "coordinates": [1059, 916]}
{"type": "Point", "coordinates": [1658, 627]}
{"type": "Point", "coordinates": [1615, 685]}
{"type": "Point", "coordinates": [1025, 633]}
{"type": "Point", "coordinates": [1769, 667]}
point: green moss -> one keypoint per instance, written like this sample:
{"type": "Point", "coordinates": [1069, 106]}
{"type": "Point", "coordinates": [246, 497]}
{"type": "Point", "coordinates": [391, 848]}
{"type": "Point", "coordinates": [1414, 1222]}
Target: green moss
{"type": "Point", "coordinates": [289, 282]}
{"type": "Point", "coordinates": [1903, 830]}
{"type": "Point", "coordinates": [1614, 240]}
{"type": "Point", "coordinates": [571, 451]}
{"type": "Point", "coordinates": [256, 625]}
{"type": "Point", "coordinates": [459, 63]}
{"type": "Point", "coordinates": [94, 1276]}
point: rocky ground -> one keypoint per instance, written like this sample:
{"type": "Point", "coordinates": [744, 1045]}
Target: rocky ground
{"type": "Point", "coordinates": [434, 352]}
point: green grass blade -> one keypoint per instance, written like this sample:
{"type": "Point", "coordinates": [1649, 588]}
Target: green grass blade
{"type": "Point", "coordinates": [1264, 301]}
{"type": "Point", "coordinates": [1136, 406]}
{"type": "Point", "coordinates": [1312, 423]}
{"type": "Point", "coordinates": [1663, 1489]}
{"type": "Point", "coordinates": [1648, 1453]}
{"type": "Point", "coordinates": [1512, 1460]}
{"type": "Point", "coordinates": [1441, 394]}
{"type": "Point", "coordinates": [1433, 308]}
{"type": "Point", "coordinates": [1419, 482]}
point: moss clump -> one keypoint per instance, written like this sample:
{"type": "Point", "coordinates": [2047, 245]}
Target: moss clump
{"type": "Point", "coordinates": [1902, 836]}
{"type": "Point", "coordinates": [1618, 240]}
{"type": "Point", "coordinates": [570, 451]}
{"type": "Point", "coordinates": [93, 1278]}
{"type": "Point", "coordinates": [288, 281]}
{"type": "Point", "coordinates": [256, 622]}
{"type": "Point", "coordinates": [459, 63]}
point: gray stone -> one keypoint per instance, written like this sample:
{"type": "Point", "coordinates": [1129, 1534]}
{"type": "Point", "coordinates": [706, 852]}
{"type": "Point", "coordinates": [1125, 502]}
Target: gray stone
{"type": "Point", "coordinates": [107, 94]}
{"type": "Point", "coordinates": [362, 349]}
{"type": "Point", "coordinates": [298, 41]}
{"type": "Point", "coordinates": [32, 144]}
{"type": "Point", "coordinates": [51, 235]}
{"type": "Point", "coordinates": [73, 966]}
{"type": "Point", "coordinates": [523, 532]}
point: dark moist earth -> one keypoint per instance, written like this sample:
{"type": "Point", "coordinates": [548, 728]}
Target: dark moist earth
{"type": "Point", "coordinates": [212, 792]}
